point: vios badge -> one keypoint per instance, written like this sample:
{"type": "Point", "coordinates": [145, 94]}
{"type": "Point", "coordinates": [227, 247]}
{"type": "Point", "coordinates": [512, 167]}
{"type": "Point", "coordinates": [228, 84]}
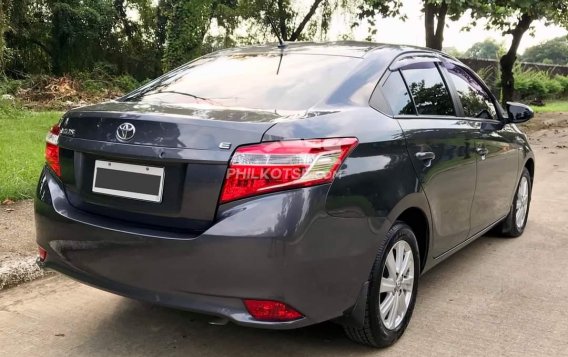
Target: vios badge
{"type": "Point", "coordinates": [125, 132]}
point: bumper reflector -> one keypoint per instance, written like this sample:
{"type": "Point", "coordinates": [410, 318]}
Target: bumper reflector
{"type": "Point", "coordinates": [42, 253]}
{"type": "Point", "coordinates": [267, 310]}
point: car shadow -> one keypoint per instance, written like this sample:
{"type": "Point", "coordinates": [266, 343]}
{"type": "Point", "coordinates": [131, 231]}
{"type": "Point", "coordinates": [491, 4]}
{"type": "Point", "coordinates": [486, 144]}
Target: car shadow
{"type": "Point", "coordinates": [137, 328]}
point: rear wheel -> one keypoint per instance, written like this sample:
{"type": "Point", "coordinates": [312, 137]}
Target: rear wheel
{"type": "Point", "coordinates": [392, 290]}
{"type": "Point", "coordinates": [515, 223]}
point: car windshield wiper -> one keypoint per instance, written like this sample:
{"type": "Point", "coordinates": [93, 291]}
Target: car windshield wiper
{"type": "Point", "coordinates": [175, 92]}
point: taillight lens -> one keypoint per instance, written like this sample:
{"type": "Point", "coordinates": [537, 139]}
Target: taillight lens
{"type": "Point", "coordinates": [42, 254]}
{"type": "Point", "coordinates": [273, 166]}
{"type": "Point", "coordinates": [52, 149]}
{"type": "Point", "coordinates": [267, 310]}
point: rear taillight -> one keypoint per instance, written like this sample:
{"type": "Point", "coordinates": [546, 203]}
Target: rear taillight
{"type": "Point", "coordinates": [42, 254]}
{"type": "Point", "coordinates": [52, 149]}
{"type": "Point", "coordinates": [267, 310]}
{"type": "Point", "coordinates": [279, 165]}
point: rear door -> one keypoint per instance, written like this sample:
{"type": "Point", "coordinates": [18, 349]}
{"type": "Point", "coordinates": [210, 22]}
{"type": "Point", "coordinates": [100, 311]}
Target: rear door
{"type": "Point", "coordinates": [440, 145]}
{"type": "Point", "coordinates": [496, 151]}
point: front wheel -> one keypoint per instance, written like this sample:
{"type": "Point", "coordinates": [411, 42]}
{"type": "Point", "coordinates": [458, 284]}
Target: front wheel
{"type": "Point", "coordinates": [392, 290]}
{"type": "Point", "coordinates": [515, 223]}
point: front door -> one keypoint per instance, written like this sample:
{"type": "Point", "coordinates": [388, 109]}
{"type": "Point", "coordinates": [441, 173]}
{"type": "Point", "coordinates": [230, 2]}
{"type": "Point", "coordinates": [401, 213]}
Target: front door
{"type": "Point", "coordinates": [496, 151]}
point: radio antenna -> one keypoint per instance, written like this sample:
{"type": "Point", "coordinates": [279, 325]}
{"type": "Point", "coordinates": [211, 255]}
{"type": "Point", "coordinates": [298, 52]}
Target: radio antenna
{"type": "Point", "coordinates": [275, 30]}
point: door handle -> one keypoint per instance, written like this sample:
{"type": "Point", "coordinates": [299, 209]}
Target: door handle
{"type": "Point", "coordinates": [426, 156]}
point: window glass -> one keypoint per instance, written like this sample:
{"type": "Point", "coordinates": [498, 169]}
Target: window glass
{"type": "Point", "coordinates": [475, 100]}
{"type": "Point", "coordinates": [397, 96]}
{"type": "Point", "coordinates": [427, 87]}
{"type": "Point", "coordinates": [259, 81]}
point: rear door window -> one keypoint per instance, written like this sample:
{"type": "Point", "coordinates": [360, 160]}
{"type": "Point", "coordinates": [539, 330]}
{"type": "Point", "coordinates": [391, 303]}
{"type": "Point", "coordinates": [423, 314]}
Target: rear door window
{"type": "Point", "coordinates": [430, 93]}
{"type": "Point", "coordinates": [476, 101]}
{"type": "Point", "coordinates": [397, 96]}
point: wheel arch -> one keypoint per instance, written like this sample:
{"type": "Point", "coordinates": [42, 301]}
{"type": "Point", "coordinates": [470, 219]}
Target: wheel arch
{"type": "Point", "coordinates": [418, 221]}
{"type": "Point", "coordinates": [529, 165]}
{"type": "Point", "coordinates": [414, 210]}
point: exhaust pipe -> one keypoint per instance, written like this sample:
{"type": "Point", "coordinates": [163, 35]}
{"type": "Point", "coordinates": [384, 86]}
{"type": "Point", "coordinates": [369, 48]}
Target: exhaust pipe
{"type": "Point", "coordinates": [219, 321]}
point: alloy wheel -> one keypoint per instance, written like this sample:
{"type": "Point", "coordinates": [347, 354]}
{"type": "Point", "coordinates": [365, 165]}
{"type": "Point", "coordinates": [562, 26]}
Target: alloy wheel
{"type": "Point", "coordinates": [397, 285]}
{"type": "Point", "coordinates": [522, 203]}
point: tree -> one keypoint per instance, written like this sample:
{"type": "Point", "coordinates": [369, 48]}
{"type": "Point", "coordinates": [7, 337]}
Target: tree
{"type": "Point", "coordinates": [189, 21]}
{"type": "Point", "coordinates": [3, 28]}
{"type": "Point", "coordinates": [76, 32]}
{"type": "Point", "coordinates": [554, 51]}
{"type": "Point", "coordinates": [515, 18]}
{"type": "Point", "coordinates": [369, 10]}
{"type": "Point", "coordinates": [488, 49]}
{"type": "Point", "coordinates": [436, 14]}
{"type": "Point", "coordinates": [293, 20]}
{"type": "Point", "coordinates": [64, 36]}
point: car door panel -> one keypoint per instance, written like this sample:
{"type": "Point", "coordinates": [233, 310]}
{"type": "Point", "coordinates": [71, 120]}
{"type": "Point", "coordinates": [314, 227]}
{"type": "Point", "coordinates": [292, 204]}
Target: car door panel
{"type": "Point", "coordinates": [497, 153]}
{"type": "Point", "coordinates": [449, 179]}
{"type": "Point", "coordinates": [497, 173]}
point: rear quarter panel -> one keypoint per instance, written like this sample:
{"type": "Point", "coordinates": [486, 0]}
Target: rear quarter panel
{"type": "Point", "coordinates": [377, 181]}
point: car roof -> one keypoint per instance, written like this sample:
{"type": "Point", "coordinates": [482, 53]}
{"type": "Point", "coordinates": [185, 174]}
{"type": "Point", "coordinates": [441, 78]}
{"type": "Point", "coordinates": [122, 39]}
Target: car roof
{"type": "Point", "coordinates": [358, 49]}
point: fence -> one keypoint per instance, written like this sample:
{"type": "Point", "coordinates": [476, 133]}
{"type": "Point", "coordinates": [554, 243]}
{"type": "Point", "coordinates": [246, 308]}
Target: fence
{"type": "Point", "coordinates": [491, 69]}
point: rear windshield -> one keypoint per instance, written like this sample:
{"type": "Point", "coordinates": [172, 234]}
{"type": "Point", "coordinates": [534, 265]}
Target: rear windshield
{"type": "Point", "coordinates": [259, 81]}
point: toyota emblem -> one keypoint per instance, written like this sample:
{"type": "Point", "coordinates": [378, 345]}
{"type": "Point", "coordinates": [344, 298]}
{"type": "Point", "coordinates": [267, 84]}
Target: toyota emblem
{"type": "Point", "coordinates": [125, 132]}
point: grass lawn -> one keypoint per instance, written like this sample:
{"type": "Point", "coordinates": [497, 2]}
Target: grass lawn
{"type": "Point", "coordinates": [22, 143]}
{"type": "Point", "coordinates": [553, 107]}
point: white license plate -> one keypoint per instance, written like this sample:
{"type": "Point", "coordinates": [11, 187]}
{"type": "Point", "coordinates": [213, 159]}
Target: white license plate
{"type": "Point", "coordinates": [138, 182]}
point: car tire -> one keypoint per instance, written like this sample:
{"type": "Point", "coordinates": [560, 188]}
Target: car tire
{"type": "Point", "coordinates": [514, 225]}
{"type": "Point", "coordinates": [381, 328]}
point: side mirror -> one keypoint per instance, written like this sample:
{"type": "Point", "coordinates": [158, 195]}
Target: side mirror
{"type": "Point", "coordinates": [519, 113]}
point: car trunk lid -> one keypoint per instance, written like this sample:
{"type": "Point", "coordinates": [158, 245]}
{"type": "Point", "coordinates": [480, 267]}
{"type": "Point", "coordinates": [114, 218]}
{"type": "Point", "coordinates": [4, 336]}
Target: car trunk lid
{"type": "Point", "coordinates": [192, 145]}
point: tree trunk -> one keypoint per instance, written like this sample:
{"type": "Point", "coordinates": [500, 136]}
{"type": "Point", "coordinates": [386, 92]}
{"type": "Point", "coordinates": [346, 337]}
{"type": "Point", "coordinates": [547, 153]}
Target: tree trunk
{"type": "Point", "coordinates": [435, 31]}
{"type": "Point", "coordinates": [120, 8]}
{"type": "Point", "coordinates": [296, 34]}
{"type": "Point", "coordinates": [282, 21]}
{"type": "Point", "coordinates": [2, 42]}
{"type": "Point", "coordinates": [508, 60]}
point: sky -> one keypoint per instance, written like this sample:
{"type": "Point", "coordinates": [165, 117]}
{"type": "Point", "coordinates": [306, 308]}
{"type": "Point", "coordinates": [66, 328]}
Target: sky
{"type": "Point", "coordinates": [411, 32]}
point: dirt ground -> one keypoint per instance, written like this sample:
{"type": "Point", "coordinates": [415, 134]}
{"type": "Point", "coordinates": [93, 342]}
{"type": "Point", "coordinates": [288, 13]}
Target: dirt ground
{"type": "Point", "coordinates": [17, 244]}
{"type": "Point", "coordinates": [496, 297]}
{"type": "Point", "coordinates": [17, 230]}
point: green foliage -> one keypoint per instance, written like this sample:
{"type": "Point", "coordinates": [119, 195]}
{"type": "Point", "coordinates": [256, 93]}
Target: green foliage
{"type": "Point", "coordinates": [563, 81]}
{"type": "Point", "coordinates": [22, 142]}
{"type": "Point", "coordinates": [142, 38]}
{"type": "Point", "coordinates": [190, 20]}
{"type": "Point", "coordinates": [10, 86]}
{"type": "Point", "coordinates": [554, 51]}
{"type": "Point", "coordinates": [488, 49]}
{"type": "Point", "coordinates": [126, 83]}
{"type": "Point", "coordinates": [486, 74]}
{"type": "Point", "coordinates": [515, 17]}
{"type": "Point", "coordinates": [452, 51]}
{"type": "Point", "coordinates": [65, 37]}
{"type": "Point", "coordinates": [560, 106]}
{"type": "Point", "coordinates": [532, 84]}
{"type": "Point", "coordinates": [291, 20]}
{"type": "Point", "coordinates": [505, 15]}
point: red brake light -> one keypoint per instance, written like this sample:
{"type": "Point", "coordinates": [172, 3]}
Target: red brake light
{"type": "Point", "coordinates": [273, 166]}
{"type": "Point", "coordinates": [266, 310]}
{"type": "Point", "coordinates": [52, 149]}
{"type": "Point", "coordinates": [42, 253]}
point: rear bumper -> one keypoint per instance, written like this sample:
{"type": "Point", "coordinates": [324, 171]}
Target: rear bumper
{"type": "Point", "coordinates": [282, 247]}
